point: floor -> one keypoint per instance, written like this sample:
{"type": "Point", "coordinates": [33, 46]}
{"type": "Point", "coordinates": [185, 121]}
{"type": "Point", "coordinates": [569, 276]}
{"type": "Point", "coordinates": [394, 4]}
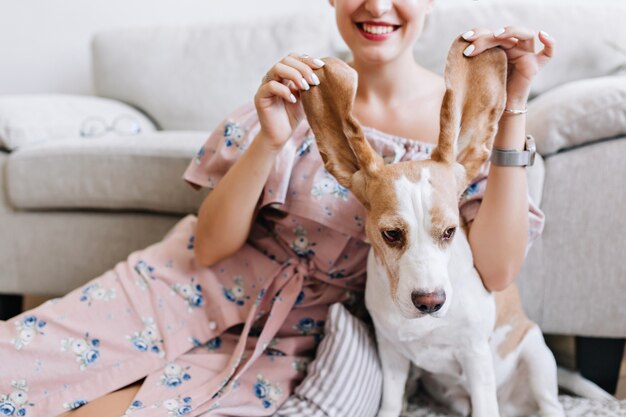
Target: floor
{"type": "Point", "coordinates": [621, 385]}
{"type": "Point", "coordinates": [563, 348]}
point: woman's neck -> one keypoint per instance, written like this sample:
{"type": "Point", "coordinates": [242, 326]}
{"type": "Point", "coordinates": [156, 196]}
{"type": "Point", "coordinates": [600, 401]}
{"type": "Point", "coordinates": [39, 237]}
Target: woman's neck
{"type": "Point", "coordinates": [392, 83]}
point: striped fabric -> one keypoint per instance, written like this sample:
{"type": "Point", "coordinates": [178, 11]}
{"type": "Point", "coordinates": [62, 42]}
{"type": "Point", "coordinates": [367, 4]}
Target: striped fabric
{"type": "Point", "coordinates": [345, 379]}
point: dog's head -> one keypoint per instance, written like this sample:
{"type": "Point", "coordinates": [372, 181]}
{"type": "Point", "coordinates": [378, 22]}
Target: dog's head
{"type": "Point", "coordinates": [412, 207]}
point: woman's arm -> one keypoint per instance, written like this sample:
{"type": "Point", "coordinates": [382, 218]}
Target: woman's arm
{"type": "Point", "coordinates": [226, 215]}
{"type": "Point", "coordinates": [499, 233]}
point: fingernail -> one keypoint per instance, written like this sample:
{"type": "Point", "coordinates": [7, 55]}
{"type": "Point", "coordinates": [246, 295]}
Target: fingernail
{"type": "Point", "coordinates": [468, 34]}
{"type": "Point", "coordinates": [292, 98]}
{"type": "Point", "coordinates": [305, 85]}
{"type": "Point", "coordinates": [468, 51]}
{"type": "Point", "coordinates": [318, 62]}
{"type": "Point", "coordinates": [316, 81]}
{"type": "Point", "coordinates": [544, 34]}
{"type": "Point", "coordinates": [499, 32]}
{"type": "Point", "coordinates": [304, 55]}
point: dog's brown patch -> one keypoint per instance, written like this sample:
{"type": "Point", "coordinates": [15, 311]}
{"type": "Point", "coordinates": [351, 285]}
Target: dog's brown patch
{"type": "Point", "coordinates": [383, 215]}
{"type": "Point", "coordinates": [509, 312]}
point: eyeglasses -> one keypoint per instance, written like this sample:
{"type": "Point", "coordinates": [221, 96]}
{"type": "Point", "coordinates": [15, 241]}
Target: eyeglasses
{"type": "Point", "coordinates": [95, 127]}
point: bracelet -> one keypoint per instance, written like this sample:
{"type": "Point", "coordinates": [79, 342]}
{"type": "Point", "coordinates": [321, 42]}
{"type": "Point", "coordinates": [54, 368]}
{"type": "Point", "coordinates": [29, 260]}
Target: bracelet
{"type": "Point", "coordinates": [516, 111]}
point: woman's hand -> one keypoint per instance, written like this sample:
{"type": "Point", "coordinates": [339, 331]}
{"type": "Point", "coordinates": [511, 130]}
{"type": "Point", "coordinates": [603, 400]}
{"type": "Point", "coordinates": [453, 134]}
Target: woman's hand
{"type": "Point", "coordinates": [277, 100]}
{"type": "Point", "coordinates": [524, 63]}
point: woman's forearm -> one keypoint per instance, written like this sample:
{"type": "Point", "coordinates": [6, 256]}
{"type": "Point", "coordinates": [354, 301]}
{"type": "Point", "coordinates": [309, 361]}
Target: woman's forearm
{"type": "Point", "coordinates": [226, 214]}
{"type": "Point", "coordinates": [499, 232]}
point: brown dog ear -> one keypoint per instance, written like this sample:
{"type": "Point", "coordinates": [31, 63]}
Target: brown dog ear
{"type": "Point", "coordinates": [472, 106]}
{"type": "Point", "coordinates": [339, 136]}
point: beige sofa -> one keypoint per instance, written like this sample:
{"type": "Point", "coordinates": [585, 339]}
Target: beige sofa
{"type": "Point", "coordinates": [70, 208]}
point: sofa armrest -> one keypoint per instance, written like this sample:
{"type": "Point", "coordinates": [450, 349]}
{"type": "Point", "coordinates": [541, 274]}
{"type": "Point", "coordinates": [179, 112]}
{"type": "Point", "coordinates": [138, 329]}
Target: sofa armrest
{"type": "Point", "coordinates": [28, 119]}
{"type": "Point", "coordinates": [578, 113]}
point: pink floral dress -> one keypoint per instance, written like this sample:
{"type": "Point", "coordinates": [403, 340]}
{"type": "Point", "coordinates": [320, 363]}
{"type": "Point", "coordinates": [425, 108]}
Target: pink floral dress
{"type": "Point", "coordinates": [231, 339]}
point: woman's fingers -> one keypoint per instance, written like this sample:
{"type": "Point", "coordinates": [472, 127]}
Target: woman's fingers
{"type": "Point", "coordinates": [274, 88]}
{"type": "Point", "coordinates": [295, 73]}
{"type": "Point", "coordinates": [305, 70]}
{"type": "Point", "coordinates": [477, 38]}
{"type": "Point", "coordinates": [283, 71]}
{"type": "Point", "coordinates": [548, 47]}
{"type": "Point", "coordinates": [508, 37]}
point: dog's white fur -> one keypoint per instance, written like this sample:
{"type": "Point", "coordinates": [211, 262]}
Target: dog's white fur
{"type": "Point", "coordinates": [455, 349]}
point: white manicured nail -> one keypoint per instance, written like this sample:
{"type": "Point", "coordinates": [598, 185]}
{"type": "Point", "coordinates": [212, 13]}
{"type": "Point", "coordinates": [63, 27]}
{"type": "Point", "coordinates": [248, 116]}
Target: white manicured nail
{"type": "Point", "coordinates": [292, 98]}
{"type": "Point", "coordinates": [304, 55]}
{"type": "Point", "coordinates": [318, 62]}
{"type": "Point", "coordinates": [468, 34]}
{"type": "Point", "coordinates": [499, 32]}
{"type": "Point", "coordinates": [544, 34]}
{"type": "Point", "coordinates": [305, 85]}
{"type": "Point", "coordinates": [316, 81]}
{"type": "Point", "coordinates": [468, 51]}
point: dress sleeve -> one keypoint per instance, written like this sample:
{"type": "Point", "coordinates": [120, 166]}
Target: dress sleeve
{"type": "Point", "coordinates": [225, 145]}
{"type": "Point", "coordinates": [228, 142]}
{"type": "Point", "coordinates": [473, 196]}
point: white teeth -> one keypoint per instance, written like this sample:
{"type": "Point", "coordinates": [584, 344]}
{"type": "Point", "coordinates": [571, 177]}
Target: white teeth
{"type": "Point", "coordinates": [377, 30]}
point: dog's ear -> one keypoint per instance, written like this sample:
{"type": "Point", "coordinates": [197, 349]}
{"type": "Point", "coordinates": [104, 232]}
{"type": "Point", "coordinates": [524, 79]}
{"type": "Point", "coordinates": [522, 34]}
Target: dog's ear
{"type": "Point", "coordinates": [339, 137]}
{"type": "Point", "coordinates": [473, 103]}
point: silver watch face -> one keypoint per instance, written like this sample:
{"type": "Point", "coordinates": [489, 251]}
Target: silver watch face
{"type": "Point", "coordinates": [531, 148]}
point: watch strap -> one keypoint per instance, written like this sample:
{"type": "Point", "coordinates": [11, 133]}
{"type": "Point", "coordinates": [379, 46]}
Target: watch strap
{"type": "Point", "coordinates": [513, 157]}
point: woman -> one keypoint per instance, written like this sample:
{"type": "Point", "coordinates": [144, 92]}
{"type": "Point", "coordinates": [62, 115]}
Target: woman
{"type": "Point", "coordinates": [224, 314]}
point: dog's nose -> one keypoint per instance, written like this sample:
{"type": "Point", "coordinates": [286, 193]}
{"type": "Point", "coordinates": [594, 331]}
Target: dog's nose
{"type": "Point", "coordinates": [428, 302]}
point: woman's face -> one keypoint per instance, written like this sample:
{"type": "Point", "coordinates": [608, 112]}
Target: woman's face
{"type": "Point", "coordinates": [379, 31]}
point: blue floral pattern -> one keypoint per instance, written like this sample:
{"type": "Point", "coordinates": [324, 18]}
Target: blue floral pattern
{"type": "Point", "coordinates": [27, 329]}
{"type": "Point", "coordinates": [308, 325]}
{"type": "Point", "coordinates": [96, 292]}
{"type": "Point", "coordinates": [174, 375]}
{"type": "Point", "coordinates": [192, 293]}
{"type": "Point", "coordinates": [234, 135]}
{"type": "Point", "coordinates": [74, 404]}
{"type": "Point", "coordinates": [198, 158]}
{"type": "Point", "coordinates": [85, 350]}
{"type": "Point", "coordinates": [177, 407]}
{"type": "Point", "coordinates": [305, 146]}
{"type": "Point", "coordinates": [268, 393]}
{"type": "Point", "coordinates": [145, 274]}
{"type": "Point", "coordinates": [301, 244]}
{"type": "Point", "coordinates": [134, 406]}
{"type": "Point", "coordinates": [328, 185]}
{"type": "Point", "coordinates": [147, 339]}
{"type": "Point", "coordinates": [15, 402]}
{"type": "Point", "coordinates": [237, 293]}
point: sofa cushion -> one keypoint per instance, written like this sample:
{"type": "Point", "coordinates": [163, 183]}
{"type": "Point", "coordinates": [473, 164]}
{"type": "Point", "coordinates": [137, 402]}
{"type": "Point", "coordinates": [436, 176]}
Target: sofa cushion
{"type": "Point", "coordinates": [191, 77]}
{"type": "Point", "coordinates": [142, 172]}
{"type": "Point", "coordinates": [345, 378]}
{"type": "Point", "coordinates": [29, 119]}
{"type": "Point", "coordinates": [578, 54]}
{"type": "Point", "coordinates": [578, 112]}
{"type": "Point", "coordinates": [577, 262]}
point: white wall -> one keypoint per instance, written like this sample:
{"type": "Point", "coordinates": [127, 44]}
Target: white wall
{"type": "Point", "coordinates": [44, 44]}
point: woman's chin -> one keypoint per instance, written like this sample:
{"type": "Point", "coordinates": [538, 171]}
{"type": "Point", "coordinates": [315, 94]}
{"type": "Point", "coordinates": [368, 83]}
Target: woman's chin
{"type": "Point", "coordinates": [374, 56]}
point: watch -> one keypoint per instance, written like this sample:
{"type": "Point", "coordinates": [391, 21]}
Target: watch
{"type": "Point", "coordinates": [515, 158]}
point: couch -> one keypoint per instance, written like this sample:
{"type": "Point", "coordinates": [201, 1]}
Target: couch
{"type": "Point", "coordinates": [71, 207]}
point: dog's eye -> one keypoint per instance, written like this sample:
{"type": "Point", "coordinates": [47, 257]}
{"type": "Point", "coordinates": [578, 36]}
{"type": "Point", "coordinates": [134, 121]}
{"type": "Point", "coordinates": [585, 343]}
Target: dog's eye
{"type": "Point", "coordinates": [448, 233]}
{"type": "Point", "coordinates": [392, 236]}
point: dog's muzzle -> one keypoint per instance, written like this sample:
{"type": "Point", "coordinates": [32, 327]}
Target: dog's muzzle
{"type": "Point", "coordinates": [428, 302]}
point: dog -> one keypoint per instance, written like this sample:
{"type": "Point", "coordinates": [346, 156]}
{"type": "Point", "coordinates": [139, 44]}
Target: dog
{"type": "Point", "coordinates": [473, 350]}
